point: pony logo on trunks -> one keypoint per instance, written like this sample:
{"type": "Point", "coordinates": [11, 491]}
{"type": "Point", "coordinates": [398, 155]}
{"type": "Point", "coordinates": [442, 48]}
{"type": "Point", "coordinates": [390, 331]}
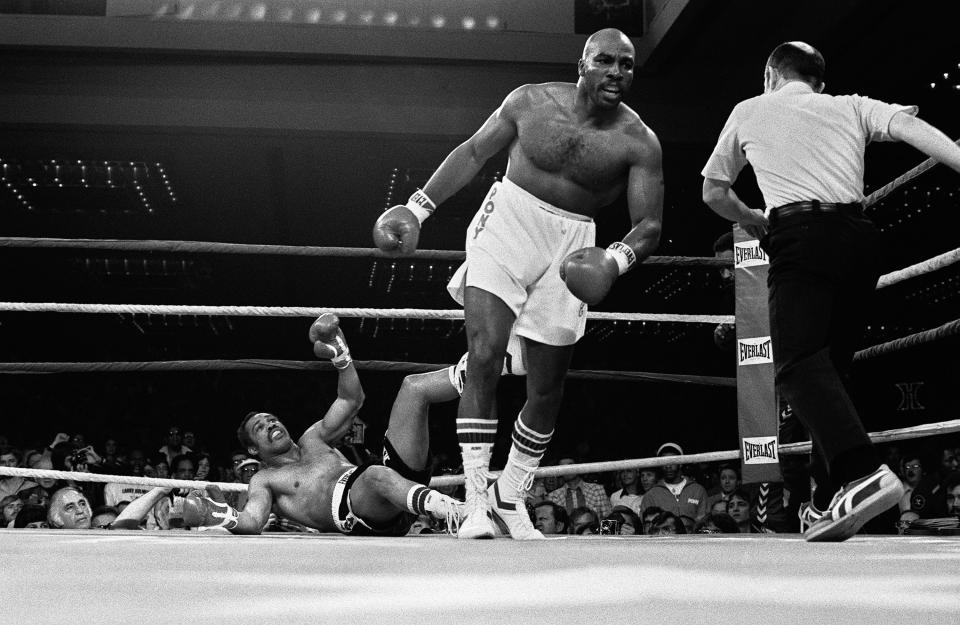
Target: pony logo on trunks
{"type": "Point", "coordinates": [487, 211]}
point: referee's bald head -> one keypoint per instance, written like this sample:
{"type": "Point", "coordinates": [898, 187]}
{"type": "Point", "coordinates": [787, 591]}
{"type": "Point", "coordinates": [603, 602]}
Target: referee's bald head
{"type": "Point", "coordinates": [796, 59]}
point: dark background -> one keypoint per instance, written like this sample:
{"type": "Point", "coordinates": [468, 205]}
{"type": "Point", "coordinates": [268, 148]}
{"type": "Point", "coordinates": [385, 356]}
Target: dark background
{"type": "Point", "coordinates": [307, 149]}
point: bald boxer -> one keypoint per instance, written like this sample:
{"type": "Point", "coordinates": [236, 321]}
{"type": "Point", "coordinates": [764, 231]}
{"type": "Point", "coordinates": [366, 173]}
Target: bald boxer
{"type": "Point", "coordinates": [807, 151]}
{"type": "Point", "coordinates": [311, 483]}
{"type": "Point", "coordinates": [531, 256]}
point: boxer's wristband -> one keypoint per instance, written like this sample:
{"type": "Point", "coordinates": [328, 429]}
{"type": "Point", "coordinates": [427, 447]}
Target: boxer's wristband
{"type": "Point", "coordinates": [421, 205]}
{"type": "Point", "coordinates": [624, 255]}
{"type": "Point", "coordinates": [231, 519]}
{"type": "Point", "coordinates": [343, 359]}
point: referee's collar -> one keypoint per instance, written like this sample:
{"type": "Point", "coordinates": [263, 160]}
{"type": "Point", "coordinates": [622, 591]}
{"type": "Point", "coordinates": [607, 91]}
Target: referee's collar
{"type": "Point", "coordinates": [794, 86]}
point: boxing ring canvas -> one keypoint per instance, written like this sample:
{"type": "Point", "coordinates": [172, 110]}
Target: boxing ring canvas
{"type": "Point", "coordinates": [99, 576]}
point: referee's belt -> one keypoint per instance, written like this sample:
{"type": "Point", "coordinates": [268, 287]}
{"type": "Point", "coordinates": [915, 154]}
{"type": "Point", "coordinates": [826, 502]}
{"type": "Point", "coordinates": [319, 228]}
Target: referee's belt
{"type": "Point", "coordinates": [853, 209]}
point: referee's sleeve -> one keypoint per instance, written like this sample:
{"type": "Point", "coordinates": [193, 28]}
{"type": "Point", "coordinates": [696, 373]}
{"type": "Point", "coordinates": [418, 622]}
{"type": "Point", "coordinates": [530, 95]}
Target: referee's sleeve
{"type": "Point", "coordinates": [875, 116]}
{"type": "Point", "coordinates": [728, 157]}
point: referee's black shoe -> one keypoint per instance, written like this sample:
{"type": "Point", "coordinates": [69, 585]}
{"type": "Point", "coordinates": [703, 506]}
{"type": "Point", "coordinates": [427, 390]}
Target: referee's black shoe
{"type": "Point", "coordinates": [855, 504]}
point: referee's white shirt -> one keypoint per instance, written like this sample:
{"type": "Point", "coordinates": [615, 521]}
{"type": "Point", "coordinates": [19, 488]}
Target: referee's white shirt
{"type": "Point", "coordinates": [802, 145]}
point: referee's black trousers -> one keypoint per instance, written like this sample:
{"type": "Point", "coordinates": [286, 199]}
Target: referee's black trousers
{"type": "Point", "coordinates": [823, 272]}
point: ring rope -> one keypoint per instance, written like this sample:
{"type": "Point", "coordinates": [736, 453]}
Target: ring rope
{"type": "Point", "coordinates": [918, 431]}
{"type": "Point", "coordinates": [911, 340]}
{"type": "Point", "coordinates": [152, 245]}
{"type": "Point", "coordinates": [211, 247]}
{"type": "Point", "coordinates": [78, 476]}
{"type": "Point", "coordinates": [251, 364]}
{"type": "Point", "coordinates": [928, 266]}
{"type": "Point", "coordinates": [304, 365]}
{"type": "Point", "coordinates": [300, 311]}
{"type": "Point", "coordinates": [907, 176]}
{"type": "Point", "coordinates": [789, 449]}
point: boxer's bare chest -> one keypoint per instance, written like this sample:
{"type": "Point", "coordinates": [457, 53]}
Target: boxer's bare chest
{"type": "Point", "coordinates": [302, 490]}
{"type": "Point", "coordinates": [590, 157]}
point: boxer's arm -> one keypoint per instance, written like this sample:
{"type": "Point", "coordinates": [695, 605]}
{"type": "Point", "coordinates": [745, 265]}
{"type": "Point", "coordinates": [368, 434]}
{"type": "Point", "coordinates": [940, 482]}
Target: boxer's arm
{"type": "Point", "coordinates": [256, 512]}
{"type": "Point", "coordinates": [926, 138]}
{"type": "Point", "coordinates": [723, 200]}
{"type": "Point", "coordinates": [137, 510]}
{"type": "Point", "coordinates": [645, 196]}
{"type": "Point", "coordinates": [466, 160]}
{"type": "Point", "coordinates": [329, 342]}
{"type": "Point", "coordinates": [340, 416]}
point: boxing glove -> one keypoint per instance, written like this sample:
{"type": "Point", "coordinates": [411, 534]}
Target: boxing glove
{"type": "Point", "coordinates": [590, 272]}
{"type": "Point", "coordinates": [329, 342]}
{"type": "Point", "coordinates": [200, 511]}
{"type": "Point", "coordinates": [397, 232]}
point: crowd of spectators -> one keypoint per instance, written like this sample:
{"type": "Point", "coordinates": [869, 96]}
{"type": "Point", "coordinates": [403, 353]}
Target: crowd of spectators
{"type": "Point", "coordinates": [706, 498]}
{"type": "Point", "coordinates": [81, 504]}
{"type": "Point", "coordinates": [709, 498]}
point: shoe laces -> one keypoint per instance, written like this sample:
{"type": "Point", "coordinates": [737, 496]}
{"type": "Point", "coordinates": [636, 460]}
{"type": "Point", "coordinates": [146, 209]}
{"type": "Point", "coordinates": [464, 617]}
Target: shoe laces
{"type": "Point", "coordinates": [476, 490]}
{"type": "Point", "coordinates": [810, 511]}
{"type": "Point", "coordinates": [809, 514]}
{"type": "Point", "coordinates": [452, 511]}
{"type": "Point", "coordinates": [523, 516]}
{"type": "Point", "coordinates": [527, 483]}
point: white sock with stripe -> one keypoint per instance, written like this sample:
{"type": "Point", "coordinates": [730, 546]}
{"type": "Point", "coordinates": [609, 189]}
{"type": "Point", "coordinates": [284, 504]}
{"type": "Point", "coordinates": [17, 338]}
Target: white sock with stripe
{"type": "Point", "coordinates": [525, 454]}
{"type": "Point", "coordinates": [476, 446]}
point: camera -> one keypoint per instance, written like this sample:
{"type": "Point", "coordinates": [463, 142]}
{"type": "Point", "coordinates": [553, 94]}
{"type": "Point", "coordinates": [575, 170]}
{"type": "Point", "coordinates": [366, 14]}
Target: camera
{"type": "Point", "coordinates": [78, 457]}
{"type": "Point", "coordinates": [609, 527]}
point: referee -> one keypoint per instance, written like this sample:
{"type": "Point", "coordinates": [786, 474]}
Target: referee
{"type": "Point", "coordinates": [806, 149]}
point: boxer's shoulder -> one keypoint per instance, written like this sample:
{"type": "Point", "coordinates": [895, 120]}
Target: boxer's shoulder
{"type": "Point", "coordinates": [537, 96]}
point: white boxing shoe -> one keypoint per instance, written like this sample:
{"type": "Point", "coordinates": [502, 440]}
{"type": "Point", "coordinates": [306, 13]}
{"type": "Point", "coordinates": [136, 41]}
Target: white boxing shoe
{"type": "Point", "coordinates": [476, 521]}
{"type": "Point", "coordinates": [512, 516]}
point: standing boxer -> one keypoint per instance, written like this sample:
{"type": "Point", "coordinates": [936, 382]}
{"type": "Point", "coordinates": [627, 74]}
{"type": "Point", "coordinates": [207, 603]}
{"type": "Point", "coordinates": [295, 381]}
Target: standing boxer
{"type": "Point", "coordinates": [573, 149]}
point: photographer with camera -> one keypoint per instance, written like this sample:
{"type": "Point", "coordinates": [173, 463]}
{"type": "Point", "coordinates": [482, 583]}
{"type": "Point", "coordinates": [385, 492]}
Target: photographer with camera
{"type": "Point", "coordinates": [621, 522]}
{"type": "Point", "coordinates": [67, 455]}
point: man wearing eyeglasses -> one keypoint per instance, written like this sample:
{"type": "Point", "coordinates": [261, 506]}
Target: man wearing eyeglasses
{"type": "Point", "coordinates": [174, 446]}
{"type": "Point", "coordinates": [920, 492]}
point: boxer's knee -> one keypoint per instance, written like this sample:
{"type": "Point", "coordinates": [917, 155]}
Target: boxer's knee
{"type": "Point", "coordinates": [376, 479]}
{"type": "Point", "coordinates": [485, 362]}
{"type": "Point", "coordinates": [414, 388]}
{"type": "Point", "coordinates": [545, 398]}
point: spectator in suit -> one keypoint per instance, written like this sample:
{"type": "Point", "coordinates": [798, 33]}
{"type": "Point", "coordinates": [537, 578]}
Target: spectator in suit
{"type": "Point", "coordinates": [576, 493]}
